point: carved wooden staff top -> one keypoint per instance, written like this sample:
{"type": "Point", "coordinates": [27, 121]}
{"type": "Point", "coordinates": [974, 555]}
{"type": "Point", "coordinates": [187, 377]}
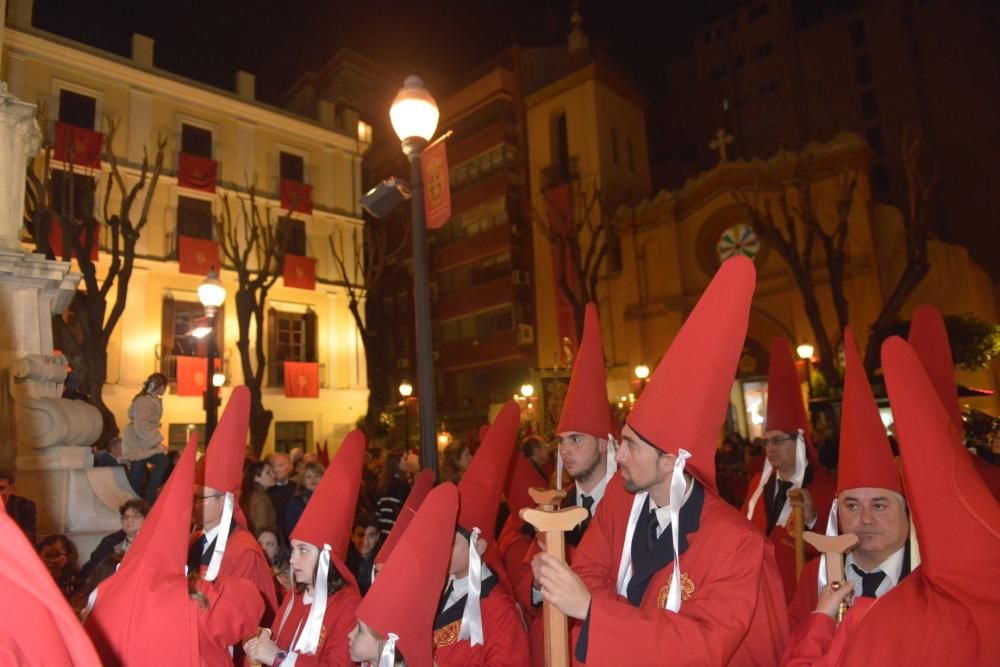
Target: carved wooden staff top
{"type": "Point", "coordinates": [834, 549]}
{"type": "Point", "coordinates": [554, 523]}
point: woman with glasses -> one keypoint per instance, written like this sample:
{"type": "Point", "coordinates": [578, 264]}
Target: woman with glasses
{"type": "Point", "coordinates": [60, 558]}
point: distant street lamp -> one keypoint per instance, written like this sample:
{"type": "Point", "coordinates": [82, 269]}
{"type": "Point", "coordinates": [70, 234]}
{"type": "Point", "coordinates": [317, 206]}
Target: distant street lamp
{"type": "Point", "coordinates": [405, 390]}
{"type": "Point", "coordinates": [414, 115]}
{"type": "Point", "coordinates": [805, 352]}
{"type": "Point", "coordinates": [212, 295]}
{"type": "Point", "coordinates": [642, 374]}
{"type": "Point", "coordinates": [527, 390]}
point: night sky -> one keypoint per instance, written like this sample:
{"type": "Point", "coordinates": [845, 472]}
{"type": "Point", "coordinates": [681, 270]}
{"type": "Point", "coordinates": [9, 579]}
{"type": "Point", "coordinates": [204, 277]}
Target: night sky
{"type": "Point", "coordinates": [278, 41]}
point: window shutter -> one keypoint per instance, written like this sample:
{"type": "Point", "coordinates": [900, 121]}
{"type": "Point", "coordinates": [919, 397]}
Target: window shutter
{"type": "Point", "coordinates": [312, 354]}
{"type": "Point", "coordinates": [167, 336]}
{"type": "Point", "coordinates": [274, 367]}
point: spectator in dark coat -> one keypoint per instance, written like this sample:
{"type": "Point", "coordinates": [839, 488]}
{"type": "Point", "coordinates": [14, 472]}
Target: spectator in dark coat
{"type": "Point", "coordinates": [21, 510]}
{"type": "Point", "coordinates": [284, 488]}
{"type": "Point", "coordinates": [365, 542]}
{"type": "Point", "coordinates": [108, 455]}
{"type": "Point", "coordinates": [311, 474]}
{"type": "Point", "coordinates": [393, 489]}
{"type": "Point", "coordinates": [133, 514]}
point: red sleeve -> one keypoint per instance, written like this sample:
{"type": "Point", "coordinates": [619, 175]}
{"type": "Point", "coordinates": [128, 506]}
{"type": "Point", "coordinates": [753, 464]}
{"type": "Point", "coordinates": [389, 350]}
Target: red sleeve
{"type": "Point", "coordinates": [234, 606]}
{"type": "Point", "coordinates": [525, 579]}
{"type": "Point", "coordinates": [806, 596]}
{"type": "Point", "coordinates": [810, 642]}
{"type": "Point", "coordinates": [250, 564]}
{"type": "Point", "coordinates": [708, 630]}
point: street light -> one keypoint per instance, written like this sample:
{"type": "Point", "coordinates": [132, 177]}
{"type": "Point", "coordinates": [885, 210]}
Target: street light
{"type": "Point", "coordinates": [212, 295]}
{"type": "Point", "coordinates": [405, 389]}
{"type": "Point", "coordinates": [642, 371]}
{"type": "Point", "coordinates": [414, 116]}
{"type": "Point", "coordinates": [805, 352]}
{"type": "Point", "coordinates": [527, 390]}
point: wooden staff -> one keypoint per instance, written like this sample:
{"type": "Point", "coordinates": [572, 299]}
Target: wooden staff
{"type": "Point", "coordinates": [553, 523]}
{"type": "Point", "coordinates": [834, 549]}
{"type": "Point", "coordinates": [797, 528]}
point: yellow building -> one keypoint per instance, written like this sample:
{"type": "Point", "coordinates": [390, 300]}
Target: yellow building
{"type": "Point", "coordinates": [82, 86]}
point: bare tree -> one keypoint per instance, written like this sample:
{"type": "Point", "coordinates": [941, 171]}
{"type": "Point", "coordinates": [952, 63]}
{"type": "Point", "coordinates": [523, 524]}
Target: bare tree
{"type": "Point", "coordinates": [86, 344]}
{"type": "Point", "coordinates": [363, 278]}
{"type": "Point", "coordinates": [251, 245]}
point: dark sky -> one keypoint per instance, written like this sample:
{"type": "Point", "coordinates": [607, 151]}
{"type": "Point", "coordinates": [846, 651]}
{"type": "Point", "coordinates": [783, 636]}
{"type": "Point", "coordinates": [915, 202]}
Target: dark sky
{"type": "Point", "coordinates": [278, 41]}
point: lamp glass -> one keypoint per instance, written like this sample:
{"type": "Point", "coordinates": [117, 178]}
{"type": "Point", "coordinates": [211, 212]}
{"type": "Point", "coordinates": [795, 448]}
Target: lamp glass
{"type": "Point", "coordinates": [218, 379]}
{"type": "Point", "coordinates": [805, 351]}
{"type": "Point", "coordinates": [405, 389]}
{"type": "Point", "coordinates": [527, 390]}
{"type": "Point", "coordinates": [642, 371]}
{"type": "Point", "coordinates": [414, 113]}
{"type": "Point", "coordinates": [211, 293]}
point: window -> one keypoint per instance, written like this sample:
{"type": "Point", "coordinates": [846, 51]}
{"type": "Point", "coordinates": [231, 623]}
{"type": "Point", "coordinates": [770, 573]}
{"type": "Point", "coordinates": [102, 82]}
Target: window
{"type": "Point", "coordinates": [289, 435]}
{"type": "Point", "coordinates": [869, 105]}
{"type": "Point", "coordinates": [857, 32]}
{"type": "Point", "coordinates": [880, 180]}
{"type": "Point", "coordinates": [175, 333]}
{"type": "Point", "coordinates": [80, 203]}
{"type": "Point", "coordinates": [196, 140]}
{"type": "Point", "coordinates": [480, 325]}
{"type": "Point", "coordinates": [177, 436]}
{"type": "Point", "coordinates": [492, 267]}
{"type": "Point", "coordinates": [560, 145]}
{"type": "Point", "coordinates": [614, 146]}
{"type": "Point", "coordinates": [757, 12]}
{"type": "Point", "coordinates": [291, 167]}
{"type": "Point", "coordinates": [764, 50]}
{"type": "Point", "coordinates": [291, 337]}
{"type": "Point", "coordinates": [481, 166]}
{"type": "Point", "coordinates": [477, 220]}
{"type": "Point", "coordinates": [194, 218]}
{"type": "Point", "coordinates": [77, 109]}
{"type": "Point", "coordinates": [875, 140]}
{"type": "Point", "coordinates": [292, 232]}
{"type": "Point", "coordinates": [863, 69]}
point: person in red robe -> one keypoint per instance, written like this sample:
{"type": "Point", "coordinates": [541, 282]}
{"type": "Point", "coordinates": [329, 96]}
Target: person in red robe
{"type": "Point", "coordinates": [869, 501]}
{"type": "Point", "coordinates": [586, 433]}
{"type": "Point", "coordinates": [946, 612]}
{"type": "Point", "coordinates": [477, 622]}
{"type": "Point", "coordinates": [791, 463]}
{"type": "Point", "coordinates": [148, 613]}
{"type": "Point", "coordinates": [396, 618]}
{"type": "Point", "coordinates": [313, 623]}
{"type": "Point", "coordinates": [516, 536]}
{"type": "Point", "coordinates": [668, 571]}
{"type": "Point", "coordinates": [929, 339]}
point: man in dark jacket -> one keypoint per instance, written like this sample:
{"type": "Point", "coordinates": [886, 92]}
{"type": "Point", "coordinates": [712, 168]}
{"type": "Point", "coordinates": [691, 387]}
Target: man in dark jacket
{"type": "Point", "coordinates": [133, 514]}
{"type": "Point", "coordinates": [20, 509]}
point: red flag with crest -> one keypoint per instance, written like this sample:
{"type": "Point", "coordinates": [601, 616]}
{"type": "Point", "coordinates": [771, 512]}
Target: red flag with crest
{"type": "Point", "coordinates": [299, 271]}
{"type": "Point", "coordinates": [56, 240]}
{"type": "Point", "coordinates": [83, 145]}
{"type": "Point", "coordinates": [196, 172]}
{"type": "Point", "coordinates": [192, 375]}
{"type": "Point", "coordinates": [437, 187]}
{"type": "Point", "coordinates": [301, 379]}
{"type": "Point", "coordinates": [296, 196]}
{"type": "Point", "coordinates": [198, 256]}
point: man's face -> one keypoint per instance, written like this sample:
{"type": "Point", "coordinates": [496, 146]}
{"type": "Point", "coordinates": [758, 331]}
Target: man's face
{"type": "Point", "coordinates": [541, 454]}
{"type": "Point", "coordinates": [282, 467]}
{"type": "Point", "coordinates": [6, 490]}
{"type": "Point", "coordinates": [642, 466]}
{"type": "Point", "coordinates": [877, 517]}
{"type": "Point", "coordinates": [365, 538]}
{"type": "Point", "coordinates": [208, 504]}
{"type": "Point", "coordinates": [581, 453]}
{"type": "Point", "coordinates": [779, 448]}
{"type": "Point", "coordinates": [115, 448]}
{"type": "Point", "coordinates": [131, 522]}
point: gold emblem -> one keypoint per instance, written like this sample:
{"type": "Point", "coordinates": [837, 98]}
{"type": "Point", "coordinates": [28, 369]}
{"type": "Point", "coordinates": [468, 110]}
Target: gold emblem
{"type": "Point", "coordinates": [687, 590]}
{"type": "Point", "coordinates": [435, 181]}
{"type": "Point", "coordinates": [447, 635]}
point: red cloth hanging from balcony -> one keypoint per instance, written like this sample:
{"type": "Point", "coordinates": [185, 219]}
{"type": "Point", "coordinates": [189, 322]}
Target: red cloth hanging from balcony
{"type": "Point", "coordinates": [196, 172]}
{"type": "Point", "coordinates": [296, 197]}
{"type": "Point", "coordinates": [301, 379]}
{"type": "Point", "coordinates": [198, 256]}
{"type": "Point", "coordinates": [437, 186]}
{"type": "Point", "coordinates": [85, 145]}
{"type": "Point", "coordinates": [299, 272]}
{"type": "Point", "coordinates": [56, 240]}
{"type": "Point", "coordinates": [192, 375]}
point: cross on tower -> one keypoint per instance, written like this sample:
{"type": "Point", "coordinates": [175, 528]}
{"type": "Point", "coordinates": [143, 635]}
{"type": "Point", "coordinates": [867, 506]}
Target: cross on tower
{"type": "Point", "coordinates": [722, 138]}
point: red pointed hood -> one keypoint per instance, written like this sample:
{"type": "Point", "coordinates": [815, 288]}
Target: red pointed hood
{"type": "Point", "coordinates": [421, 487]}
{"type": "Point", "coordinates": [405, 596]}
{"type": "Point", "coordinates": [523, 476]}
{"type": "Point", "coordinates": [483, 481]}
{"type": "Point", "coordinates": [956, 517]}
{"type": "Point", "coordinates": [685, 401]}
{"type": "Point", "coordinates": [586, 408]}
{"type": "Point", "coordinates": [35, 616]}
{"type": "Point", "coordinates": [222, 466]}
{"type": "Point", "coordinates": [329, 515]}
{"type": "Point", "coordinates": [865, 455]}
{"type": "Point", "coordinates": [929, 338]}
{"type": "Point", "coordinates": [148, 595]}
{"type": "Point", "coordinates": [785, 408]}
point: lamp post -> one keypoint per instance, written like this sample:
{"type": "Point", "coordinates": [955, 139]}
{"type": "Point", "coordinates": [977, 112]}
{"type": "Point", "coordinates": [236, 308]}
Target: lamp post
{"type": "Point", "coordinates": [642, 374]}
{"type": "Point", "coordinates": [405, 389]}
{"type": "Point", "coordinates": [414, 116]}
{"type": "Point", "coordinates": [805, 352]}
{"type": "Point", "coordinates": [212, 295]}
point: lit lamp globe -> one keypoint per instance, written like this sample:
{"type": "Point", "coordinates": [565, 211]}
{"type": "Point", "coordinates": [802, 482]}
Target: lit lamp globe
{"type": "Point", "coordinates": [642, 371]}
{"type": "Point", "coordinates": [218, 379]}
{"type": "Point", "coordinates": [805, 351]}
{"type": "Point", "coordinates": [414, 114]}
{"type": "Point", "coordinates": [211, 292]}
{"type": "Point", "coordinates": [405, 389]}
{"type": "Point", "coordinates": [527, 390]}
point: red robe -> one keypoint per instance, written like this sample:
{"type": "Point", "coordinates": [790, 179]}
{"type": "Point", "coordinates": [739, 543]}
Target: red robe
{"type": "Point", "coordinates": [505, 641]}
{"type": "Point", "coordinates": [823, 489]}
{"type": "Point", "coordinates": [732, 610]}
{"type": "Point", "coordinates": [244, 558]}
{"type": "Point", "coordinates": [231, 604]}
{"type": "Point", "coordinates": [806, 597]}
{"type": "Point", "coordinates": [339, 619]}
{"type": "Point", "coordinates": [817, 639]}
{"type": "Point", "coordinates": [512, 544]}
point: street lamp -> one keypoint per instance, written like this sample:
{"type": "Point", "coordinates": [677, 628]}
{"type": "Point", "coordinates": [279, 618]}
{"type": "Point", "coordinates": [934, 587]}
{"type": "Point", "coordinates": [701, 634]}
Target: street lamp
{"type": "Point", "coordinates": [414, 116]}
{"type": "Point", "coordinates": [527, 390]}
{"type": "Point", "coordinates": [805, 352]}
{"type": "Point", "coordinates": [212, 295]}
{"type": "Point", "coordinates": [405, 389]}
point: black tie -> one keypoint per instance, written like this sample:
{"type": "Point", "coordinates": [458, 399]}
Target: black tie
{"type": "Point", "coordinates": [195, 553]}
{"type": "Point", "coordinates": [870, 581]}
{"type": "Point", "coordinates": [653, 526]}
{"type": "Point", "coordinates": [777, 502]}
{"type": "Point", "coordinates": [588, 503]}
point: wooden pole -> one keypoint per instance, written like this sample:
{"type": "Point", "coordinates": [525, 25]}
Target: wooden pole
{"type": "Point", "coordinates": [798, 526]}
{"type": "Point", "coordinates": [834, 549]}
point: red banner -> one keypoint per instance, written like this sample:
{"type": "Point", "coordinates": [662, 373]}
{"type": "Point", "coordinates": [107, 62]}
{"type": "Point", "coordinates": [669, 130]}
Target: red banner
{"type": "Point", "coordinates": [296, 196]}
{"type": "Point", "coordinates": [561, 221]}
{"type": "Point", "coordinates": [196, 172]}
{"type": "Point", "coordinates": [301, 379]}
{"type": "Point", "coordinates": [437, 187]}
{"type": "Point", "coordinates": [198, 256]}
{"type": "Point", "coordinates": [84, 145]}
{"type": "Point", "coordinates": [300, 272]}
{"type": "Point", "coordinates": [56, 240]}
{"type": "Point", "coordinates": [192, 375]}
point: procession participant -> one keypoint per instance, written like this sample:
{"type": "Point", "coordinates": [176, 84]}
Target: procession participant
{"type": "Point", "coordinates": [791, 464]}
{"type": "Point", "coordinates": [150, 597]}
{"type": "Point", "coordinates": [667, 569]}
{"type": "Point", "coordinates": [517, 536]}
{"type": "Point", "coordinates": [869, 501]}
{"type": "Point", "coordinates": [311, 627]}
{"type": "Point", "coordinates": [478, 622]}
{"type": "Point", "coordinates": [929, 339]}
{"type": "Point", "coordinates": [396, 618]}
{"type": "Point", "coordinates": [223, 545]}
{"type": "Point", "coordinates": [421, 487]}
{"type": "Point", "coordinates": [945, 612]}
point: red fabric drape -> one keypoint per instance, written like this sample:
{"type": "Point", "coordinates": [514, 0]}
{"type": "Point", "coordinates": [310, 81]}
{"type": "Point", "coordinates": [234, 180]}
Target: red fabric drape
{"type": "Point", "coordinates": [85, 145]}
{"type": "Point", "coordinates": [437, 187]}
{"type": "Point", "coordinates": [196, 172]}
{"type": "Point", "coordinates": [299, 272]}
{"type": "Point", "coordinates": [198, 256]}
{"type": "Point", "coordinates": [301, 379]}
{"type": "Point", "coordinates": [296, 196]}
